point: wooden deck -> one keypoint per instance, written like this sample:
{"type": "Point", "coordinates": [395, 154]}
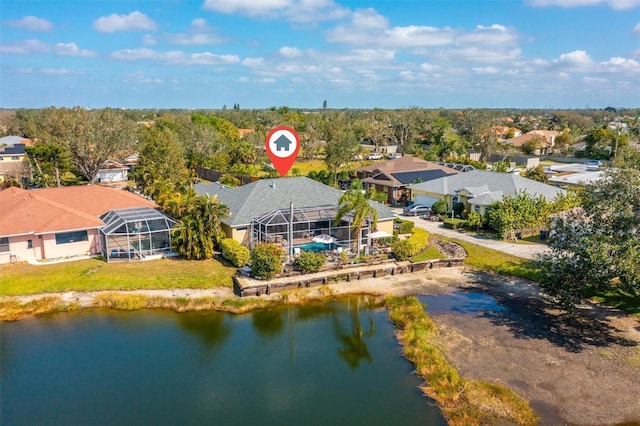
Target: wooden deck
{"type": "Point", "coordinates": [245, 286]}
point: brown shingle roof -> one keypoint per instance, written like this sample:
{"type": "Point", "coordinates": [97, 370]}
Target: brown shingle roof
{"type": "Point", "coordinates": [61, 209]}
{"type": "Point", "coordinates": [382, 173]}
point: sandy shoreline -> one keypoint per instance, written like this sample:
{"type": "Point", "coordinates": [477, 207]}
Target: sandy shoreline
{"type": "Point", "coordinates": [583, 369]}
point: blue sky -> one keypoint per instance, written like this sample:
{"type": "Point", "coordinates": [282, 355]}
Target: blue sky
{"type": "Point", "coordinates": [298, 53]}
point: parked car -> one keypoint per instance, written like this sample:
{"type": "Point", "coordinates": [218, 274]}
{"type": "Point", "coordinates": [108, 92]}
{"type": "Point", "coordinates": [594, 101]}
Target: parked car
{"type": "Point", "coordinates": [593, 164]}
{"type": "Point", "coordinates": [416, 210]}
{"type": "Point", "coordinates": [392, 156]}
{"type": "Point", "coordinates": [374, 156]}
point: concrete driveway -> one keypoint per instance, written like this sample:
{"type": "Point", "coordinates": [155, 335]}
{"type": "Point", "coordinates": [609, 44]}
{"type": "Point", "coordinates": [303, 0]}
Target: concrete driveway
{"type": "Point", "coordinates": [525, 250]}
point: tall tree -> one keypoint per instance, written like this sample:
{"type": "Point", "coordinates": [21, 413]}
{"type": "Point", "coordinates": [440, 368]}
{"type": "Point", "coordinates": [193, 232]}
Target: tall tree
{"type": "Point", "coordinates": [343, 143]}
{"type": "Point", "coordinates": [597, 247]}
{"type": "Point", "coordinates": [98, 136]}
{"type": "Point", "coordinates": [199, 228]}
{"type": "Point", "coordinates": [161, 170]}
{"type": "Point", "coordinates": [357, 202]}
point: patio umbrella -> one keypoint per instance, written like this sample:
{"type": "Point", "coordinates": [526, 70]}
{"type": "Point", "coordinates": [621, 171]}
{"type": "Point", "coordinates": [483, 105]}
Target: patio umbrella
{"type": "Point", "coordinates": [324, 238]}
{"type": "Point", "coordinates": [379, 234]}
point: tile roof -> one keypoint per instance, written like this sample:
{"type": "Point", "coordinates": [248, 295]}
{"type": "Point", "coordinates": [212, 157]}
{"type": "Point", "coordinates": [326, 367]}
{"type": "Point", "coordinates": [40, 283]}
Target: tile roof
{"type": "Point", "coordinates": [60, 209]}
{"type": "Point", "coordinates": [507, 183]}
{"type": "Point", "coordinates": [266, 195]}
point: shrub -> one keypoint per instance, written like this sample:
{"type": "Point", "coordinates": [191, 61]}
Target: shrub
{"type": "Point", "coordinates": [309, 261]}
{"type": "Point", "coordinates": [266, 261]}
{"type": "Point", "coordinates": [413, 245]}
{"type": "Point", "coordinates": [439, 207]}
{"type": "Point", "coordinates": [405, 226]}
{"type": "Point", "coordinates": [235, 252]}
{"type": "Point", "coordinates": [455, 223]}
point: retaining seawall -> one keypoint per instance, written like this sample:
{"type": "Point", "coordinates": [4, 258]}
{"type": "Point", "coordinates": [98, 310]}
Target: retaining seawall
{"type": "Point", "coordinates": [245, 286]}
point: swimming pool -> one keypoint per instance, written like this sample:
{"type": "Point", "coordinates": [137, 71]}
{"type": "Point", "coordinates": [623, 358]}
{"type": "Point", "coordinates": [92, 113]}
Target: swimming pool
{"type": "Point", "coordinates": [316, 247]}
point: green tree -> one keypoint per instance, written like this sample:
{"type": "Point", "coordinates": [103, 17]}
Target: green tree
{"type": "Point", "coordinates": [519, 211]}
{"type": "Point", "coordinates": [199, 227]}
{"type": "Point", "coordinates": [51, 163]}
{"type": "Point", "coordinates": [161, 171]}
{"type": "Point", "coordinates": [267, 260]}
{"type": "Point", "coordinates": [98, 136]}
{"type": "Point", "coordinates": [537, 173]}
{"type": "Point", "coordinates": [309, 261]}
{"type": "Point", "coordinates": [357, 202]}
{"type": "Point", "coordinates": [597, 247]}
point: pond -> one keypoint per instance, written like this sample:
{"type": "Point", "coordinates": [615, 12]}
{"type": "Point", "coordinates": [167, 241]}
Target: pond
{"type": "Point", "coordinates": [461, 302]}
{"type": "Point", "coordinates": [331, 363]}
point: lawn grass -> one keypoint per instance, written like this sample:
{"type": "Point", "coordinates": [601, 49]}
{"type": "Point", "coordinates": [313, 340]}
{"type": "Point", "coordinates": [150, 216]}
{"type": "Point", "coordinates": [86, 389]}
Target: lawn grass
{"type": "Point", "coordinates": [617, 298]}
{"type": "Point", "coordinates": [93, 274]}
{"type": "Point", "coordinates": [463, 401]}
{"type": "Point", "coordinates": [431, 252]}
{"type": "Point", "coordinates": [496, 261]}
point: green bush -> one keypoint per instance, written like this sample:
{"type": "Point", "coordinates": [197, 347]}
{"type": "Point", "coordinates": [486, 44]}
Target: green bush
{"type": "Point", "coordinates": [455, 223]}
{"type": "Point", "coordinates": [404, 249]}
{"type": "Point", "coordinates": [439, 207]}
{"type": "Point", "coordinates": [235, 252]}
{"type": "Point", "coordinates": [405, 226]}
{"type": "Point", "coordinates": [309, 261]}
{"type": "Point", "coordinates": [266, 261]}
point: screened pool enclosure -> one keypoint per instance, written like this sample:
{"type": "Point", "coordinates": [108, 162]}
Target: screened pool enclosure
{"type": "Point", "coordinates": [306, 228]}
{"type": "Point", "coordinates": [135, 234]}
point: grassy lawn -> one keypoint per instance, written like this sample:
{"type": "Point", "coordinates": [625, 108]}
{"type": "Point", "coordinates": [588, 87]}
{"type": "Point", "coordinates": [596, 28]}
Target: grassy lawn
{"type": "Point", "coordinates": [92, 274]}
{"type": "Point", "coordinates": [430, 253]}
{"type": "Point", "coordinates": [499, 262]}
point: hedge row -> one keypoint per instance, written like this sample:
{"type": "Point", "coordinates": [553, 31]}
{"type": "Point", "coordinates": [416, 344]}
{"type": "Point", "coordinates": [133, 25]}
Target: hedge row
{"type": "Point", "coordinates": [404, 249]}
{"type": "Point", "coordinates": [234, 252]}
{"type": "Point", "coordinates": [455, 223]}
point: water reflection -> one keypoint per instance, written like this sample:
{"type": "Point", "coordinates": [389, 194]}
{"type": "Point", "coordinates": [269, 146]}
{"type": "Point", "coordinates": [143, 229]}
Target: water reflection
{"type": "Point", "coordinates": [210, 327]}
{"type": "Point", "coordinates": [353, 346]}
{"type": "Point", "coordinates": [460, 302]}
{"type": "Point", "coordinates": [267, 321]}
{"type": "Point", "coordinates": [335, 363]}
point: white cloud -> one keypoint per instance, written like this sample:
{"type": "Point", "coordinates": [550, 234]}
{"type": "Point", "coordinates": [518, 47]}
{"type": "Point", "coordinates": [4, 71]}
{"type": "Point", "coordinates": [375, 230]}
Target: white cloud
{"type": "Point", "coordinates": [300, 11]}
{"type": "Point", "coordinates": [140, 77]}
{"type": "Point", "coordinates": [58, 71]}
{"type": "Point", "coordinates": [71, 49]}
{"type": "Point", "coordinates": [253, 62]}
{"type": "Point", "coordinates": [369, 28]}
{"type": "Point", "coordinates": [494, 35]}
{"type": "Point", "coordinates": [24, 47]}
{"type": "Point", "coordinates": [31, 23]}
{"type": "Point", "coordinates": [621, 65]}
{"type": "Point", "coordinates": [175, 57]}
{"type": "Point", "coordinates": [199, 33]}
{"type": "Point", "coordinates": [485, 70]}
{"type": "Point", "coordinates": [614, 4]}
{"type": "Point", "coordinates": [595, 80]}
{"type": "Point", "coordinates": [636, 29]}
{"type": "Point", "coordinates": [290, 52]}
{"type": "Point", "coordinates": [135, 21]}
{"type": "Point", "coordinates": [577, 59]}
{"type": "Point", "coordinates": [149, 40]}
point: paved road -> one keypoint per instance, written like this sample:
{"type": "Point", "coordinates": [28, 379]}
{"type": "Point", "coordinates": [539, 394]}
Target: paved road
{"type": "Point", "coordinates": [525, 250]}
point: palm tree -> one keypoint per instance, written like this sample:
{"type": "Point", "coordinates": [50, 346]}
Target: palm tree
{"type": "Point", "coordinates": [357, 202]}
{"type": "Point", "coordinates": [200, 227]}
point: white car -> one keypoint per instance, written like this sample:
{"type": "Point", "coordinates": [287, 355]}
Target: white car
{"type": "Point", "coordinates": [374, 156]}
{"type": "Point", "coordinates": [416, 210]}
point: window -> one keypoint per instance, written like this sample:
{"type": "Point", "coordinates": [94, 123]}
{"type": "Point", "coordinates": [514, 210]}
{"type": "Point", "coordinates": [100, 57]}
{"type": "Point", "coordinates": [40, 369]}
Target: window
{"type": "Point", "coordinates": [72, 237]}
{"type": "Point", "coordinates": [4, 244]}
{"type": "Point", "coordinates": [15, 158]}
{"type": "Point", "coordinates": [29, 244]}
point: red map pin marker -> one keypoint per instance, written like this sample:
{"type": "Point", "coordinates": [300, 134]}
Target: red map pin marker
{"type": "Point", "coordinates": [282, 145]}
